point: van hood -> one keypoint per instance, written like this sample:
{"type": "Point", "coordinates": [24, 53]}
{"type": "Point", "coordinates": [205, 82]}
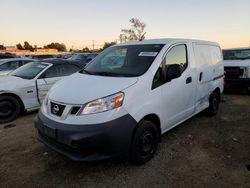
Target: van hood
{"type": "Point", "coordinates": [237, 63]}
{"type": "Point", "coordinates": [82, 88]}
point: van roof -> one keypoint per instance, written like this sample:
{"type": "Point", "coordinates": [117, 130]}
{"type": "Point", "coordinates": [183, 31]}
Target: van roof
{"type": "Point", "coordinates": [167, 40]}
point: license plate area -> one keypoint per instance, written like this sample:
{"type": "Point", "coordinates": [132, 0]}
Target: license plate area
{"type": "Point", "coordinates": [49, 131]}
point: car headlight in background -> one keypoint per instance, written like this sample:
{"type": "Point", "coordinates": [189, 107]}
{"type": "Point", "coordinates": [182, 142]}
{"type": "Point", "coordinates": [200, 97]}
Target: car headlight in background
{"type": "Point", "coordinates": [103, 104]}
{"type": "Point", "coordinates": [246, 72]}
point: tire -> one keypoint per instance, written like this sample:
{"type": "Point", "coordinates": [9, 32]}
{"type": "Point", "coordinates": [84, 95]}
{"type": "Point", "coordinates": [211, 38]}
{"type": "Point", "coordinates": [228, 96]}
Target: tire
{"type": "Point", "coordinates": [214, 102]}
{"type": "Point", "coordinates": [145, 142]}
{"type": "Point", "coordinates": [10, 109]}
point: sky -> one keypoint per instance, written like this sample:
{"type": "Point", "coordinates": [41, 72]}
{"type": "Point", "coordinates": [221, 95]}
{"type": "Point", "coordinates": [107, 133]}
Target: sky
{"type": "Point", "coordinates": [77, 23]}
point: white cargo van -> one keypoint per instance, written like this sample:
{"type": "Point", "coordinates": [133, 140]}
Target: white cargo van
{"type": "Point", "coordinates": [237, 68]}
{"type": "Point", "coordinates": [129, 95]}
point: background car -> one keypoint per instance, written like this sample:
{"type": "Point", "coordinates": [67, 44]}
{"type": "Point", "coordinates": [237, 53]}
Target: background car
{"type": "Point", "coordinates": [42, 57]}
{"type": "Point", "coordinates": [7, 56]}
{"type": "Point", "coordinates": [83, 58]}
{"type": "Point", "coordinates": [25, 88]}
{"type": "Point", "coordinates": [237, 68]}
{"type": "Point", "coordinates": [8, 65]}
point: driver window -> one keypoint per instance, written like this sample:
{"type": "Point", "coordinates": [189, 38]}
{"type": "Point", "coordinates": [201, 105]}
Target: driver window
{"type": "Point", "coordinates": [177, 55]}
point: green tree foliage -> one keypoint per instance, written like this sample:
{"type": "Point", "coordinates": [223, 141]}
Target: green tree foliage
{"type": "Point", "coordinates": [19, 46]}
{"type": "Point", "coordinates": [136, 32]}
{"type": "Point", "coordinates": [108, 44]}
{"type": "Point", "coordinates": [55, 45]}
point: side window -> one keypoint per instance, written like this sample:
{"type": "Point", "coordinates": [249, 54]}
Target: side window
{"type": "Point", "coordinates": [158, 78]}
{"type": "Point", "coordinates": [177, 55]}
{"type": "Point", "coordinates": [54, 71]}
{"type": "Point", "coordinates": [61, 70]}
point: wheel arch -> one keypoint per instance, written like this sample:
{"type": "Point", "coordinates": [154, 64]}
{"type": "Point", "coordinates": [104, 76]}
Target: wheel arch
{"type": "Point", "coordinates": [17, 98]}
{"type": "Point", "coordinates": [153, 118]}
{"type": "Point", "coordinates": [217, 90]}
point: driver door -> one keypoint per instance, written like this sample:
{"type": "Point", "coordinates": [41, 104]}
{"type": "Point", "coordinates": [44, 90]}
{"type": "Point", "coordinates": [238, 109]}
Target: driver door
{"type": "Point", "coordinates": [178, 94]}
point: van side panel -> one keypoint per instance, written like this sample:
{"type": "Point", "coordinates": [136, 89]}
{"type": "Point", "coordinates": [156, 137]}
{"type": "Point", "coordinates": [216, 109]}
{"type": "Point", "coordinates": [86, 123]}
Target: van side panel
{"type": "Point", "coordinates": [210, 71]}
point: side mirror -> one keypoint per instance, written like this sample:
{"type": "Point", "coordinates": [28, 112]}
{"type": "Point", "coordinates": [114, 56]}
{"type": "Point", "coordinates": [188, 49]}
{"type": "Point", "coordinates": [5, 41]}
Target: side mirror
{"type": "Point", "coordinates": [173, 71]}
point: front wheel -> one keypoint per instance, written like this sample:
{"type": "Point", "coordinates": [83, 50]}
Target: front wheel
{"type": "Point", "coordinates": [9, 109]}
{"type": "Point", "coordinates": [145, 142]}
{"type": "Point", "coordinates": [214, 102]}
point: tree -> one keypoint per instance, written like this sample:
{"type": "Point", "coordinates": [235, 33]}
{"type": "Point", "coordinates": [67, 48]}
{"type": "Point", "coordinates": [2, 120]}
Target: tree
{"type": "Point", "coordinates": [86, 49]}
{"type": "Point", "coordinates": [2, 47]}
{"type": "Point", "coordinates": [136, 32]}
{"type": "Point", "coordinates": [19, 46]}
{"type": "Point", "coordinates": [108, 44]}
{"type": "Point", "coordinates": [27, 46]}
{"type": "Point", "coordinates": [55, 45]}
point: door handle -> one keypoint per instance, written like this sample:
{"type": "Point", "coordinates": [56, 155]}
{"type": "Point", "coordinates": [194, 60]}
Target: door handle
{"type": "Point", "coordinates": [189, 80]}
{"type": "Point", "coordinates": [200, 77]}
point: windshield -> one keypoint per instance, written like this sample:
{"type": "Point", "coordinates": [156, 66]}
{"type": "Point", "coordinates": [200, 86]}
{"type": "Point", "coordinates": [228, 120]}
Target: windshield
{"type": "Point", "coordinates": [236, 54]}
{"type": "Point", "coordinates": [30, 70]}
{"type": "Point", "coordinates": [124, 61]}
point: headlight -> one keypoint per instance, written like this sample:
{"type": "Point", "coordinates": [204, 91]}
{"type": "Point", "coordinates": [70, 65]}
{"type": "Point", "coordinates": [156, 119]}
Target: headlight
{"type": "Point", "coordinates": [103, 104]}
{"type": "Point", "coordinates": [45, 104]}
{"type": "Point", "coordinates": [246, 72]}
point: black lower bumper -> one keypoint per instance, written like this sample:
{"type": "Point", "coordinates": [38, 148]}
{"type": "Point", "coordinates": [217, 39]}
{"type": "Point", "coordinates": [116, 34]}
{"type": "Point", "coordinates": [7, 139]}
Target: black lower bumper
{"type": "Point", "coordinates": [243, 83]}
{"type": "Point", "coordinates": [87, 142]}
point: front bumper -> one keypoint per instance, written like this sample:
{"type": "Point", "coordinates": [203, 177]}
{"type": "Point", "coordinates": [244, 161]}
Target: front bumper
{"type": "Point", "coordinates": [87, 142]}
{"type": "Point", "coordinates": [238, 83]}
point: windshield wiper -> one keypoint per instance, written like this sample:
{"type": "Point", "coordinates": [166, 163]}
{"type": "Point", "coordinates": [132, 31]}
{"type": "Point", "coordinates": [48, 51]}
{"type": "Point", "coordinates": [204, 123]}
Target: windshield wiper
{"type": "Point", "coordinates": [84, 71]}
{"type": "Point", "coordinates": [109, 74]}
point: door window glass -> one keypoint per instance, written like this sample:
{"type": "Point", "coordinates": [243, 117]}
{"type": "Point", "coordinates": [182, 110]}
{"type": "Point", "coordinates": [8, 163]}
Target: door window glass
{"type": "Point", "coordinates": [177, 55]}
{"type": "Point", "coordinates": [61, 70]}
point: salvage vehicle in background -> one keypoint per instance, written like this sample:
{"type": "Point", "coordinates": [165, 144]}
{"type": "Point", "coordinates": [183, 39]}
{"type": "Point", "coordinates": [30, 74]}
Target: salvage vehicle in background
{"type": "Point", "coordinates": [7, 56]}
{"type": "Point", "coordinates": [237, 68]}
{"type": "Point", "coordinates": [8, 65]}
{"type": "Point", "coordinates": [136, 91]}
{"type": "Point", "coordinates": [25, 88]}
{"type": "Point", "coordinates": [83, 58]}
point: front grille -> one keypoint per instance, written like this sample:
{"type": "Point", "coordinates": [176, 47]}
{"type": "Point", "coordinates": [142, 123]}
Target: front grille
{"type": "Point", "coordinates": [233, 72]}
{"type": "Point", "coordinates": [57, 109]}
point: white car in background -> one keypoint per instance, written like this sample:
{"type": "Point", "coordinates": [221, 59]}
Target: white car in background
{"type": "Point", "coordinates": [8, 65]}
{"type": "Point", "coordinates": [25, 88]}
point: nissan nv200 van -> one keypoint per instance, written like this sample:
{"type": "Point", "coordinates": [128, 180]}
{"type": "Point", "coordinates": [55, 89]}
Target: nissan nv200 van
{"type": "Point", "coordinates": [128, 96]}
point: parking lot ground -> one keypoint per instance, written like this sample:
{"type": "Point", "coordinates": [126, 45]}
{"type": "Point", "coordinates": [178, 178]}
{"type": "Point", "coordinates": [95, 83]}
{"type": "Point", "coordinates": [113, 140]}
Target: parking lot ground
{"type": "Point", "coordinates": [202, 152]}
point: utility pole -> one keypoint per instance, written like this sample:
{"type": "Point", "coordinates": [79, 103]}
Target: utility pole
{"type": "Point", "coordinates": [93, 44]}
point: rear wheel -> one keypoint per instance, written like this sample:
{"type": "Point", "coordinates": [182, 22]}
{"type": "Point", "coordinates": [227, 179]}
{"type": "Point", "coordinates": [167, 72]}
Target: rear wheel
{"type": "Point", "coordinates": [9, 109]}
{"type": "Point", "coordinates": [145, 142]}
{"type": "Point", "coordinates": [214, 102]}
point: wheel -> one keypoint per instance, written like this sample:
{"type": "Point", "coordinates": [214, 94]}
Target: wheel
{"type": "Point", "coordinates": [9, 109]}
{"type": "Point", "coordinates": [214, 102]}
{"type": "Point", "coordinates": [145, 142]}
